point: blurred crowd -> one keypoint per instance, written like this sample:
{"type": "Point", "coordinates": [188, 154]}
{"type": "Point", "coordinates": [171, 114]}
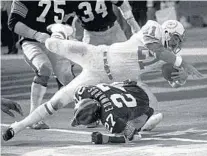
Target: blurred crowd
{"type": "Point", "coordinates": [142, 11]}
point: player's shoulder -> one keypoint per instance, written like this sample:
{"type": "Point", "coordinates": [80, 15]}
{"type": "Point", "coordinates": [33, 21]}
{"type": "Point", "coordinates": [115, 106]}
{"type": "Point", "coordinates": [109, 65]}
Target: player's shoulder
{"type": "Point", "coordinates": [151, 23]}
{"type": "Point", "coordinates": [22, 3]}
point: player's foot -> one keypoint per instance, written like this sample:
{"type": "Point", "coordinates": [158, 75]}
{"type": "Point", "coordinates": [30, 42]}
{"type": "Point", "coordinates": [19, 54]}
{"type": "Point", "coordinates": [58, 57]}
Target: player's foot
{"type": "Point", "coordinates": [8, 134]}
{"type": "Point", "coordinates": [152, 122]}
{"type": "Point", "coordinates": [39, 125]}
{"type": "Point", "coordinates": [93, 125]}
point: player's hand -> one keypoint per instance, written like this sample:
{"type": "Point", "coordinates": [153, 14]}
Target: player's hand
{"type": "Point", "coordinates": [192, 71]}
{"type": "Point", "coordinates": [180, 75]}
{"type": "Point", "coordinates": [96, 138]}
{"type": "Point", "coordinates": [41, 37]}
{"type": "Point", "coordinates": [7, 105]}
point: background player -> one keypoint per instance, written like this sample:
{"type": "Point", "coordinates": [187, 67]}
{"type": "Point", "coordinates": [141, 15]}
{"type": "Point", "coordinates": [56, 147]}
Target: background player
{"type": "Point", "coordinates": [7, 105]}
{"type": "Point", "coordinates": [99, 21]}
{"type": "Point", "coordinates": [31, 25]}
{"type": "Point", "coordinates": [123, 108]}
{"type": "Point", "coordinates": [107, 64]}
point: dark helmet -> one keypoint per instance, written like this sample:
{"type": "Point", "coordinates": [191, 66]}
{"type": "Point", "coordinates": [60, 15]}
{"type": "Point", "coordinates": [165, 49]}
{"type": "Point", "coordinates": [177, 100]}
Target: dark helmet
{"type": "Point", "coordinates": [86, 112]}
{"type": "Point", "coordinates": [81, 93]}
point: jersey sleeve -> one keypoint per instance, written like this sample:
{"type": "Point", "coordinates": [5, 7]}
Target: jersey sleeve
{"type": "Point", "coordinates": [152, 32]}
{"type": "Point", "coordinates": [19, 11]}
{"type": "Point", "coordinates": [112, 122]}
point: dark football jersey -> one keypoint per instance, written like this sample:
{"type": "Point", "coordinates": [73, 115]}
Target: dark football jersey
{"type": "Point", "coordinates": [118, 105]}
{"type": "Point", "coordinates": [37, 14]}
{"type": "Point", "coordinates": [95, 15]}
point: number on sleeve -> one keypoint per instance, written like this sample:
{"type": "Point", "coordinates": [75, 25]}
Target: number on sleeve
{"type": "Point", "coordinates": [109, 124]}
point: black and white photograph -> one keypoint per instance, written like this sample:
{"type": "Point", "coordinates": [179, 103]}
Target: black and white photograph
{"type": "Point", "coordinates": [103, 77]}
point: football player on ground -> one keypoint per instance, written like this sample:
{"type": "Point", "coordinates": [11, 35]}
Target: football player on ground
{"type": "Point", "coordinates": [99, 21]}
{"type": "Point", "coordinates": [30, 19]}
{"type": "Point", "coordinates": [107, 64]}
{"type": "Point", "coordinates": [123, 109]}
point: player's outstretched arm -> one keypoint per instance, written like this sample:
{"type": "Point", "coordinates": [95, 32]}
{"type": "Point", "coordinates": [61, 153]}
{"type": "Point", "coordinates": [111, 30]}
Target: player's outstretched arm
{"type": "Point", "coordinates": [8, 105]}
{"type": "Point", "coordinates": [99, 138]}
{"type": "Point", "coordinates": [169, 57]}
{"type": "Point", "coordinates": [126, 12]}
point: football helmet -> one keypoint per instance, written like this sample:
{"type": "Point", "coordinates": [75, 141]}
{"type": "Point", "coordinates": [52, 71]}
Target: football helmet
{"type": "Point", "coordinates": [86, 112]}
{"type": "Point", "coordinates": [174, 35]}
{"type": "Point", "coordinates": [81, 93]}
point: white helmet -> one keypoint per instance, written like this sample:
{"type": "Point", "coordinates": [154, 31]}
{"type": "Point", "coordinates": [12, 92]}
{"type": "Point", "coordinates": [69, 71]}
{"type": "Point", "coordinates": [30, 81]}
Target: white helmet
{"type": "Point", "coordinates": [173, 28]}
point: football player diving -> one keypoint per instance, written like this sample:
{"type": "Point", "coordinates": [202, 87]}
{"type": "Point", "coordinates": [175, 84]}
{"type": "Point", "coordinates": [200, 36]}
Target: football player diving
{"type": "Point", "coordinates": [108, 64]}
{"type": "Point", "coordinates": [122, 107]}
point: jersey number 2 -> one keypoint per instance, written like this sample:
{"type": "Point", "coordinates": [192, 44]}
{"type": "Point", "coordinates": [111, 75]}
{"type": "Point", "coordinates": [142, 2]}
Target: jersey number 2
{"type": "Point", "coordinates": [41, 18]}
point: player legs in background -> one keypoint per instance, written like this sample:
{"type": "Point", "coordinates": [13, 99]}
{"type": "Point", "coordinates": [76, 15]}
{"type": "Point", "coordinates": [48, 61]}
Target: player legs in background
{"type": "Point", "coordinates": [38, 58]}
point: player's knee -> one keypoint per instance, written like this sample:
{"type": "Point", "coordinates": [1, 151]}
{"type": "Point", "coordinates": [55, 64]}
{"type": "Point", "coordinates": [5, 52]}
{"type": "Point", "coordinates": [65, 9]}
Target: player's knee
{"type": "Point", "coordinates": [45, 69]}
{"type": "Point", "coordinates": [42, 80]}
{"type": "Point", "coordinates": [57, 105]}
{"type": "Point", "coordinates": [149, 112]}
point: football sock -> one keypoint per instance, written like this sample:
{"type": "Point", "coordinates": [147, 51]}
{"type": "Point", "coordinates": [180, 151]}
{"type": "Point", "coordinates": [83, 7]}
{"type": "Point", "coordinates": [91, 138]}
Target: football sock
{"type": "Point", "coordinates": [37, 115]}
{"type": "Point", "coordinates": [37, 93]}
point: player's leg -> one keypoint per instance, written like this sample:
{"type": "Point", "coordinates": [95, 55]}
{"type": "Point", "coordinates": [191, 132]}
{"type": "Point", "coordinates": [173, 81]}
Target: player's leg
{"type": "Point", "coordinates": [155, 119]}
{"type": "Point", "coordinates": [40, 63]}
{"type": "Point", "coordinates": [62, 68]}
{"type": "Point", "coordinates": [63, 97]}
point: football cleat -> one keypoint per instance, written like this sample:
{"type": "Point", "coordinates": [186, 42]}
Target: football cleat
{"type": "Point", "coordinates": [40, 125]}
{"type": "Point", "coordinates": [8, 134]}
{"type": "Point", "coordinates": [152, 122]}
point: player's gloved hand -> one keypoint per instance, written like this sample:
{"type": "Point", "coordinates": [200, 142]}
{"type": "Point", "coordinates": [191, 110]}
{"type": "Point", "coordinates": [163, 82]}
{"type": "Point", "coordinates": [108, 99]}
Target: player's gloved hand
{"type": "Point", "coordinates": [61, 31]}
{"type": "Point", "coordinates": [98, 138]}
{"type": "Point", "coordinates": [41, 37]}
{"type": "Point", "coordinates": [181, 75]}
{"type": "Point", "coordinates": [7, 105]}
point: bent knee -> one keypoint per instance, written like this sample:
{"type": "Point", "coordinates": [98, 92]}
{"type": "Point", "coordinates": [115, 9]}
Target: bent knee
{"type": "Point", "coordinates": [45, 69]}
{"type": "Point", "coordinates": [42, 80]}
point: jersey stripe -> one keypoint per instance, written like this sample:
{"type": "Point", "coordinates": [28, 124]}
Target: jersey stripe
{"type": "Point", "coordinates": [19, 8]}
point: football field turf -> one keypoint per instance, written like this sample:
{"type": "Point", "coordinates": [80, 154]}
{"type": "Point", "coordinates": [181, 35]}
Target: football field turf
{"type": "Point", "coordinates": [183, 130]}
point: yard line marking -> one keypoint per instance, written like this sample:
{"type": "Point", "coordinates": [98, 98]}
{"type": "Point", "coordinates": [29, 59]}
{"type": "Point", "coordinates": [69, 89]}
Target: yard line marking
{"type": "Point", "coordinates": [146, 139]}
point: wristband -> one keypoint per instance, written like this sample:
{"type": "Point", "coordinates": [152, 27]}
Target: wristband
{"type": "Point", "coordinates": [178, 61]}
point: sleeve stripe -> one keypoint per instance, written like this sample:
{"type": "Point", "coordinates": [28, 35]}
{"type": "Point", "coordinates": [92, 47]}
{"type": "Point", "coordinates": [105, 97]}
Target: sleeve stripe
{"type": "Point", "coordinates": [19, 8]}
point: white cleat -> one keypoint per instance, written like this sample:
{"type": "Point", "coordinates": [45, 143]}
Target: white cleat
{"type": "Point", "coordinates": [152, 122]}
